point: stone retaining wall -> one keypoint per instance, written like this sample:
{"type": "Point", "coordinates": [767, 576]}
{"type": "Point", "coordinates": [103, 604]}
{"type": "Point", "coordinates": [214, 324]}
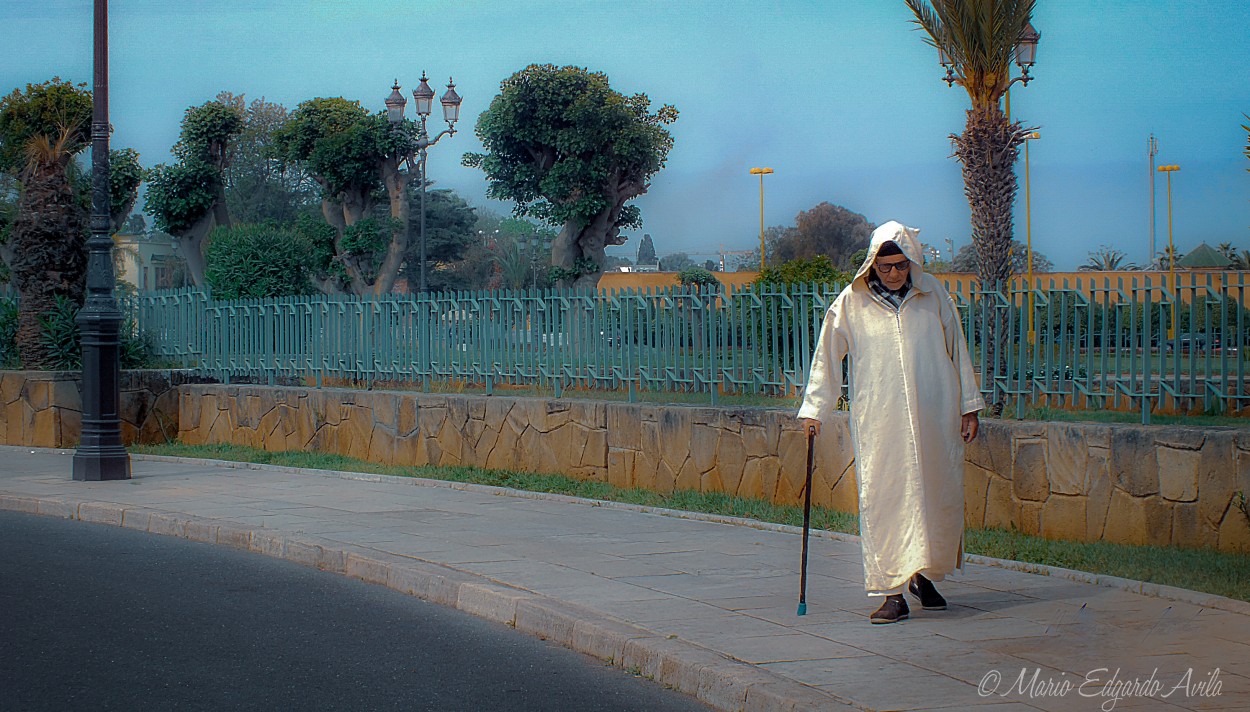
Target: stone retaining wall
{"type": "Point", "coordinates": [1129, 484]}
{"type": "Point", "coordinates": [44, 408]}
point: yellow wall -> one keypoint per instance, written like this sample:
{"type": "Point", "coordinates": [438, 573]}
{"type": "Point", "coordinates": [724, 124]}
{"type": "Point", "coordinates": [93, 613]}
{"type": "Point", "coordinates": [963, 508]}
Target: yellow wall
{"type": "Point", "coordinates": [662, 280]}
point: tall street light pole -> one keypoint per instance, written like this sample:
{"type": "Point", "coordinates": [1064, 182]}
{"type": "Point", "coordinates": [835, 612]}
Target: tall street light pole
{"type": "Point", "coordinates": [1028, 226]}
{"type": "Point", "coordinates": [1169, 170]}
{"type": "Point", "coordinates": [100, 454]}
{"type": "Point", "coordinates": [1152, 150]}
{"type": "Point", "coordinates": [416, 149]}
{"type": "Point", "coordinates": [761, 172]}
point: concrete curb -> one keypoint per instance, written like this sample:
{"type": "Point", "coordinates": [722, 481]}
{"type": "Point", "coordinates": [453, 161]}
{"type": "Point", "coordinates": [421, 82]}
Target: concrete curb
{"type": "Point", "coordinates": [1144, 588]}
{"type": "Point", "coordinates": [714, 679]}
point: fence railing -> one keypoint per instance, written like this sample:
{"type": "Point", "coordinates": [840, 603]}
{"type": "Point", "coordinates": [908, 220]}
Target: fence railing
{"type": "Point", "coordinates": [1108, 344]}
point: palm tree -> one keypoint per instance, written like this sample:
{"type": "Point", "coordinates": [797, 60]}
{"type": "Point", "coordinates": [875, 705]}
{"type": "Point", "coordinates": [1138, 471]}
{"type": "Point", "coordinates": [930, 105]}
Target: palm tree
{"type": "Point", "coordinates": [50, 256]}
{"type": "Point", "coordinates": [1167, 256]}
{"type": "Point", "coordinates": [977, 39]}
{"type": "Point", "coordinates": [1106, 259]}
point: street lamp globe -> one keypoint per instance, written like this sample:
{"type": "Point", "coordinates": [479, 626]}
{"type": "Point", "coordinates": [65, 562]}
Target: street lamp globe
{"type": "Point", "coordinates": [424, 96]}
{"type": "Point", "coordinates": [1026, 47]}
{"type": "Point", "coordinates": [395, 104]}
{"type": "Point", "coordinates": [451, 103]}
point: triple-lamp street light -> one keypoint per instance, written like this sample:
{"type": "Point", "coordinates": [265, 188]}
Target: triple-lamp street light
{"type": "Point", "coordinates": [1169, 170]}
{"type": "Point", "coordinates": [415, 149]}
{"type": "Point", "coordinates": [761, 172]}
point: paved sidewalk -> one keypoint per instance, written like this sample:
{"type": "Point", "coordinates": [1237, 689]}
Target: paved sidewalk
{"type": "Point", "coordinates": [704, 606]}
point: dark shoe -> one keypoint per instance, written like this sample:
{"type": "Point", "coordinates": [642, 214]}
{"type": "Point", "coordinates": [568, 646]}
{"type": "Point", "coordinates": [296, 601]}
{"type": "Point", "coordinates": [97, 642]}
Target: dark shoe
{"type": "Point", "coordinates": [922, 588]}
{"type": "Point", "coordinates": [892, 611]}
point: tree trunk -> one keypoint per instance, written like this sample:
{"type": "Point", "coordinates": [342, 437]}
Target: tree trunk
{"type": "Point", "coordinates": [987, 150]}
{"type": "Point", "coordinates": [50, 256]}
{"type": "Point", "coordinates": [397, 183]}
{"type": "Point", "coordinates": [587, 243]}
{"type": "Point", "coordinates": [194, 243]}
{"type": "Point", "coordinates": [342, 214]}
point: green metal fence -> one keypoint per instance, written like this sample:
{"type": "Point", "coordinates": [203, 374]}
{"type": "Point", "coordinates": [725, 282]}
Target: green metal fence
{"type": "Point", "coordinates": [1094, 343]}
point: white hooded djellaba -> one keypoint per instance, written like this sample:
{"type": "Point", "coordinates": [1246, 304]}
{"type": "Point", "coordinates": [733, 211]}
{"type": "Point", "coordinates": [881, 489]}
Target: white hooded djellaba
{"type": "Point", "coordinates": [911, 381]}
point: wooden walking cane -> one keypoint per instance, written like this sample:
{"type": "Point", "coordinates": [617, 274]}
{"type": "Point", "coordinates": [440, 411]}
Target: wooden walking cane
{"type": "Point", "coordinates": [807, 522]}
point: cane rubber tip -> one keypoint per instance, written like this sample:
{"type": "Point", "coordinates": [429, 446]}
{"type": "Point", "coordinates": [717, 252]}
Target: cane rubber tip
{"type": "Point", "coordinates": [802, 609]}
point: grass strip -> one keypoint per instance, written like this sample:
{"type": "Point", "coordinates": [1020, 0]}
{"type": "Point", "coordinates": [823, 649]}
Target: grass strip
{"type": "Point", "coordinates": [1220, 573]}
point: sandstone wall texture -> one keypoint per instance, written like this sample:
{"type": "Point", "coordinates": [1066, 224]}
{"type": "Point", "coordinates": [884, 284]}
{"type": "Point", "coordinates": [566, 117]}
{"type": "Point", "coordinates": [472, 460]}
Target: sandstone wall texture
{"type": "Point", "coordinates": [1085, 482]}
{"type": "Point", "coordinates": [44, 408]}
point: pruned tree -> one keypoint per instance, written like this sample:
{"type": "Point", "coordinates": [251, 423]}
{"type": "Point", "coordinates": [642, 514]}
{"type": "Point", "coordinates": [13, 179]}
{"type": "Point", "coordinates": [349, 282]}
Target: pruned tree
{"type": "Point", "coordinates": [356, 158]}
{"type": "Point", "coordinates": [187, 199]}
{"type": "Point", "coordinates": [979, 38]}
{"type": "Point", "coordinates": [570, 150]}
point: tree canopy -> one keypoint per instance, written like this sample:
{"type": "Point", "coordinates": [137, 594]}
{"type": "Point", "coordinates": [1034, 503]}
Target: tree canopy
{"type": "Point", "coordinates": [1105, 258]}
{"type": "Point", "coordinates": [570, 150]}
{"type": "Point", "coordinates": [646, 251]}
{"type": "Point", "coordinates": [48, 109]}
{"type": "Point", "coordinates": [825, 229]}
{"type": "Point", "coordinates": [259, 185]}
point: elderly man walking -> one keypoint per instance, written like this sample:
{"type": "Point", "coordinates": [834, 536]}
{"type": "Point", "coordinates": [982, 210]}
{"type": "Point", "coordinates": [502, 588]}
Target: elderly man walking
{"type": "Point", "coordinates": [914, 401]}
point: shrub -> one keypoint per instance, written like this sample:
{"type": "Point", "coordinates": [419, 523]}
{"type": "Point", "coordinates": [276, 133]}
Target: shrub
{"type": "Point", "coordinates": [256, 261]}
{"type": "Point", "coordinates": [697, 277]}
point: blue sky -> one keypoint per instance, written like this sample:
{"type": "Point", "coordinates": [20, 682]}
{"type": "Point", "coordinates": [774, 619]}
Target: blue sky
{"type": "Point", "coordinates": [842, 99]}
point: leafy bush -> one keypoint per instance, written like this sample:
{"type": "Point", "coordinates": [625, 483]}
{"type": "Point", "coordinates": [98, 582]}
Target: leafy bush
{"type": "Point", "coordinates": [61, 335]}
{"type": "Point", "coordinates": [818, 269]}
{"type": "Point", "coordinates": [256, 261]}
{"type": "Point", "coordinates": [698, 277]}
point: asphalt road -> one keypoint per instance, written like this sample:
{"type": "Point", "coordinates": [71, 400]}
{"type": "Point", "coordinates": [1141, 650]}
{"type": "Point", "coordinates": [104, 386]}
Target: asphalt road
{"type": "Point", "coordinates": [101, 618]}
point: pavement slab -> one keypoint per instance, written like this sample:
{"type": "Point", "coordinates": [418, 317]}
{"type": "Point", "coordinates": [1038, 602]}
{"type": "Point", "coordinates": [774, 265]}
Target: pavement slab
{"type": "Point", "coordinates": [705, 604]}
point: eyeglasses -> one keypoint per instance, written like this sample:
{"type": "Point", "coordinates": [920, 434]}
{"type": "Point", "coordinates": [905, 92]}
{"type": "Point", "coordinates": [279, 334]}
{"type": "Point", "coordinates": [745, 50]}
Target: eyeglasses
{"type": "Point", "coordinates": [888, 267]}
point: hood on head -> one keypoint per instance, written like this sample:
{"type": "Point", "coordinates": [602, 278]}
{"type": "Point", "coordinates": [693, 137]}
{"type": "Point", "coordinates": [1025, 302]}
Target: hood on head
{"type": "Point", "coordinates": [901, 235]}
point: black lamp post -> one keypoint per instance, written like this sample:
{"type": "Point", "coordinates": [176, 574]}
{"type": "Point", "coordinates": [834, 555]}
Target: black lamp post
{"type": "Point", "coordinates": [415, 151]}
{"type": "Point", "coordinates": [100, 454]}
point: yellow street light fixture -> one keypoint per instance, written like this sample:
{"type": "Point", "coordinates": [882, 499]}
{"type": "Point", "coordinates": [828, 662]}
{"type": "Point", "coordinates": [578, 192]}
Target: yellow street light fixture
{"type": "Point", "coordinates": [761, 172]}
{"type": "Point", "coordinates": [1171, 251]}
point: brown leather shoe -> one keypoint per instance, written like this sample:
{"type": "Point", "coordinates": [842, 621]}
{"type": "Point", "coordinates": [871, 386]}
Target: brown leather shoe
{"type": "Point", "coordinates": [892, 611]}
{"type": "Point", "coordinates": [922, 588]}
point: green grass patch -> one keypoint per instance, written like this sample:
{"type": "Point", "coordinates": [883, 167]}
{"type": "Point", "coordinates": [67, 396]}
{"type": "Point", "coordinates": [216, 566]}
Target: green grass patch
{"type": "Point", "coordinates": [1215, 572]}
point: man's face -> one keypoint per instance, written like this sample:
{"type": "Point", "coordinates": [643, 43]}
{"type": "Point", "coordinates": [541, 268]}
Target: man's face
{"type": "Point", "coordinates": [893, 270]}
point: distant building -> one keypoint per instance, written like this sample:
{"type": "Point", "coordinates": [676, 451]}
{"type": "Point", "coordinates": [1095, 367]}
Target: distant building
{"type": "Point", "coordinates": [1204, 257]}
{"type": "Point", "coordinates": [149, 261]}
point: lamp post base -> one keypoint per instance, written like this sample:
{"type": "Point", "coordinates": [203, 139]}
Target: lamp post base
{"type": "Point", "coordinates": [101, 464]}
